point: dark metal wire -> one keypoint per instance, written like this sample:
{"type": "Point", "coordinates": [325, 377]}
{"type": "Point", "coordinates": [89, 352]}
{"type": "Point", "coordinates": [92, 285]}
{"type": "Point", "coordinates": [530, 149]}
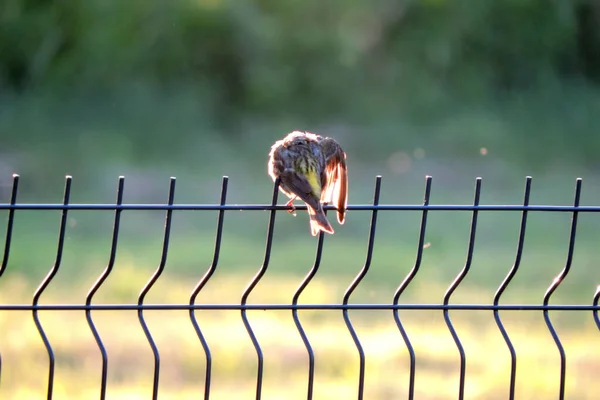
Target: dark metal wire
{"type": "Point", "coordinates": [202, 283]}
{"type": "Point", "coordinates": [98, 283]}
{"type": "Point", "coordinates": [9, 224]}
{"type": "Point", "coordinates": [355, 283]}
{"type": "Point", "coordinates": [454, 285]}
{"type": "Point", "coordinates": [148, 286]}
{"type": "Point", "coordinates": [407, 280]}
{"type": "Point", "coordinates": [301, 331]}
{"type": "Point", "coordinates": [511, 273]}
{"type": "Point", "coordinates": [345, 306]}
{"type": "Point", "coordinates": [250, 287]}
{"type": "Point", "coordinates": [272, 207]}
{"type": "Point", "coordinates": [9, 228]}
{"type": "Point", "coordinates": [314, 307]}
{"type": "Point", "coordinates": [46, 282]}
{"type": "Point", "coordinates": [595, 302]}
{"type": "Point", "coordinates": [554, 285]}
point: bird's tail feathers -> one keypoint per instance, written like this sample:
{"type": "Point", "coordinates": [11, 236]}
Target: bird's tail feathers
{"type": "Point", "coordinates": [318, 221]}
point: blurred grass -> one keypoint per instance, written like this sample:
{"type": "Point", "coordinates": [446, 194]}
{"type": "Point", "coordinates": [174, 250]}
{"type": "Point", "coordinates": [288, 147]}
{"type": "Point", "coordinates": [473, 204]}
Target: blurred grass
{"type": "Point", "coordinates": [234, 360]}
{"type": "Point", "coordinates": [88, 236]}
{"type": "Point", "coordinates": [403, 165]}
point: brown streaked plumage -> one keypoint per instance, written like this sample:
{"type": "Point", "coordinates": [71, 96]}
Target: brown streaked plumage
{"type": "Point", "coordinates": [313, 168]}
{"type": "Point", "coordinates": [337, 177]}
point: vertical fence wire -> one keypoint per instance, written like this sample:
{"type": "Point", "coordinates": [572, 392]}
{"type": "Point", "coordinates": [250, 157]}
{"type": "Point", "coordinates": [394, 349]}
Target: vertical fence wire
{"type": "Point", "coordinates": [404, 284]}
{"type": "Point", "coordinates": [7, 242]}
{"type": "Point", "coordinates": [454, 285]}
{"type": "Point", "coordinates": [301, 287]}
{"type": "Point", "coordinates": [511, 273]}
{"type": "Point", "coordinates": [595, 302]}
{"type": "Point", "coordinates": [9, 224]}
{"type": "Point", "coordinates": [207, 275]}
{"type": "Point", "coordinates": [46, 281]}
{"type": "Point", "coordinates": [554, 285]}
{"type": "Point", "coordinates": [99, 282]}
{"type": "Point", "coordinates": [355, 283]}
{"type": "Point", "coordinates": [148, 286]}
{"type": "Point", "coordinates": [252, 284]}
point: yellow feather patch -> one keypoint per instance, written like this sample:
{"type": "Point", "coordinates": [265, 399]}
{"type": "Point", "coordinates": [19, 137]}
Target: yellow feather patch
{"type": "Point", "coordinates": [314, 181]}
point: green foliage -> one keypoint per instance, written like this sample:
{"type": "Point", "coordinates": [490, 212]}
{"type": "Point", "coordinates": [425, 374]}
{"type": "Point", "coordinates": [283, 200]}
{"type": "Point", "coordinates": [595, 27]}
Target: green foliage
{"type": "Point", "coordinates": [259, 55]}
{"type": "Point", "coordinates": [130, 81]}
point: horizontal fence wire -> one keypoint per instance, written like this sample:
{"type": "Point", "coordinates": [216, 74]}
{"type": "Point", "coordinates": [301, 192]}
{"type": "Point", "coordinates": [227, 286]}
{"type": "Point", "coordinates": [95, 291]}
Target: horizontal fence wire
{"type": "Point", "coordinates": [317, 307]}
{"type": "Point", "coordinates": [345, 306]}
{"type": "Point", "coordinates": [261, 207]}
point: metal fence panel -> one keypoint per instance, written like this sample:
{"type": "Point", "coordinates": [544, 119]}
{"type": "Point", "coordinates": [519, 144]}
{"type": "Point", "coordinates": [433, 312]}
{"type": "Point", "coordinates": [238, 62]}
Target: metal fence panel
{"type": "Point", "coordinates": [446, 306]}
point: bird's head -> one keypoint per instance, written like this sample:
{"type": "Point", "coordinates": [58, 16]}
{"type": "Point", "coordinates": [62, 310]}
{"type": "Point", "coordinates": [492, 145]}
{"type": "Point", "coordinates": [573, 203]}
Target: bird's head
{"type": "Point", "coordinates": [299, 138]}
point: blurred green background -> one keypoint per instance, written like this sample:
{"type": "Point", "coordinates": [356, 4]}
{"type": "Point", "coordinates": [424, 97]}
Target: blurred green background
{"type": "Point", "coordinates": [199, 89]}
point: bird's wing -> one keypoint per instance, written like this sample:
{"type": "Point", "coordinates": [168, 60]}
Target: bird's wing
{"type": "Point", "coordinates": [336, 189]}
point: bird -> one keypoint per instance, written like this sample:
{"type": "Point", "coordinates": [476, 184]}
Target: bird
{"type": "Point", "coordinates": [311, 168]}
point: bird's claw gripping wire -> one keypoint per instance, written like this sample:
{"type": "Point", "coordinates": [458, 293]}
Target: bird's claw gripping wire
{"type": "Point", "coordinates": [290, 203]}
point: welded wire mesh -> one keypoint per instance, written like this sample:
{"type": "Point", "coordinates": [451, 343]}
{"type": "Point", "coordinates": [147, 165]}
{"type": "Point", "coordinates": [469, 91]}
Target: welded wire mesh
{"type": "Point", "coordinates": [395, 306]}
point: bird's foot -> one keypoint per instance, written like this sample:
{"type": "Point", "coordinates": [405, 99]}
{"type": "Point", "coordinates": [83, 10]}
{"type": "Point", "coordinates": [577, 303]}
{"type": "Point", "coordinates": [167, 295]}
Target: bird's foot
{"type": "Point", "coordinates": [290, 203]}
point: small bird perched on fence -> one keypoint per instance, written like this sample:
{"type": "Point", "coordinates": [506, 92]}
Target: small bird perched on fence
{"type": "Point", "coordinates": [313, 168]}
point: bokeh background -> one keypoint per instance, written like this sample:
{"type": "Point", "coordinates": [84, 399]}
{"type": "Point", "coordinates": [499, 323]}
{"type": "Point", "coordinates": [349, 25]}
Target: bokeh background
{"type": "Point", "coordinates": [199, 89]}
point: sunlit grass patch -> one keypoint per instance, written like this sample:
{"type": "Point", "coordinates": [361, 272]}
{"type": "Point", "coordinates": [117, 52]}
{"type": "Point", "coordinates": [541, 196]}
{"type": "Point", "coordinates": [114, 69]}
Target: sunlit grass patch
{"type": "Point", "coordinates": [183, 361]}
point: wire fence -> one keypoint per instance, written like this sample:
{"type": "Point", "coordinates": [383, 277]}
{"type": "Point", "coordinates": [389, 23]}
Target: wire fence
{"type": "Point", "coordinates": [446, 306]}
